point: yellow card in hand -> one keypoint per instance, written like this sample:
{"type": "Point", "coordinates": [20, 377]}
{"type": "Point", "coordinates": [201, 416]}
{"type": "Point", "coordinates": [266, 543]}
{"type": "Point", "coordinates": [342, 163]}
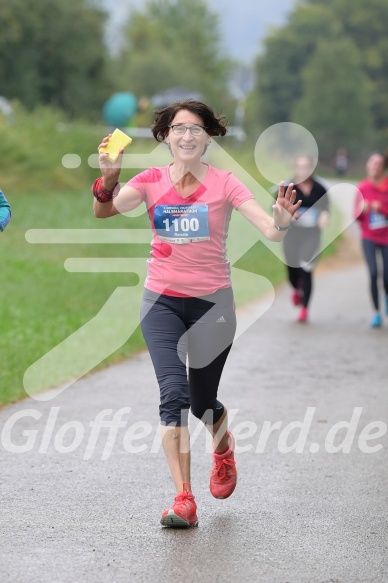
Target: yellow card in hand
{"type": "Point", "coordinates": [117, 142]}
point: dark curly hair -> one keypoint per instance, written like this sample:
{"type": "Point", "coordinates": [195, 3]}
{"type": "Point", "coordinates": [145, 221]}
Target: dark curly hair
{"type": "Point", "coordinates": [215, 124]}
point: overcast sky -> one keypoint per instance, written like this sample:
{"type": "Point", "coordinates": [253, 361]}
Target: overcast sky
{"type": "Point", "coordinates": [243, 24]}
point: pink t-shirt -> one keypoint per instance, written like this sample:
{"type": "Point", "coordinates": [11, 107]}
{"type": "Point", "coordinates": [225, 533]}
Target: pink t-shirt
{"type": "Point", "coordinates": [374, 225]}
{"type": "Point", "coordinates": [188, 256]}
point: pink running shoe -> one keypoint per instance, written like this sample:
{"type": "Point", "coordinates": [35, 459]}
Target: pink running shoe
{"type": "Point", "coordinates": [295, 297]}
{"type": "Point", "coordinates": [223, 477]}
{"type": "Point", "coordinates": [303, 315]}
{"type": "Point", "coordinates": [183, 513]}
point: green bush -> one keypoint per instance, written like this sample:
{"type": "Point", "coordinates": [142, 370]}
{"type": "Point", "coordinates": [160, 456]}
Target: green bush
{"type": "Point", "coordinates": [32, 146]}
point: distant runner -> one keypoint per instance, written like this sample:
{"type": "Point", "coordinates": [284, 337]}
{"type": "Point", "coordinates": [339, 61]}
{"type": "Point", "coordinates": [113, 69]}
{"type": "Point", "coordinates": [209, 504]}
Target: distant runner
{"type": "Point", "coordinates": [371, 210]}
{"type": "Point", "coordinates": [303, 241]}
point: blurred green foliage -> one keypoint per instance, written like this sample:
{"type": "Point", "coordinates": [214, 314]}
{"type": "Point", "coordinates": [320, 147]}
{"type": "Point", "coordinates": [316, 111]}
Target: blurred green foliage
{"type": "Point", "coordinates": [335, 113]}
{"type": "Point", "coordinates": [32, 145]}
{"type": "Point", "coordinates": [52, 53]}
{"type": "Point", "coordinates": [174, 44]}
{"type": "Point", "coordinates": [327, 66]}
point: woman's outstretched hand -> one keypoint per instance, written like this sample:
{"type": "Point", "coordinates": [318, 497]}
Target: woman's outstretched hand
{"type": "Point", "coordinates": [285, 206]}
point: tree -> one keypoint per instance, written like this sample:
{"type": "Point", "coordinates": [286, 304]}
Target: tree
{"type": "Point", "coordinates": [367, 24]}
{"type": "Point", "coordinates": [52, 53]}
{"type": "Point", "coordinates": [286, 52]}
{"type": "Point", "coordinates": [290, 49]}
{"type": "Point", "coordinates": [334, 105]}
{"type": "Point", "coordinates": [175, 43]}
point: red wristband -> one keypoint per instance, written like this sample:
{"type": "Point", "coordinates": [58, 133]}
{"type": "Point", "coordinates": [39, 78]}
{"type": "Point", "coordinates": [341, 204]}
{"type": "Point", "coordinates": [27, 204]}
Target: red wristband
{"type": "Point", "coordinates": [100, 193]}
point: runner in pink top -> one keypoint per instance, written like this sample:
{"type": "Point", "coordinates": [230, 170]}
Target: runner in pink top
{"type": "Point", "coordinates": [188, 310]}
{"type": "Point", "coordinates": [371, 210]}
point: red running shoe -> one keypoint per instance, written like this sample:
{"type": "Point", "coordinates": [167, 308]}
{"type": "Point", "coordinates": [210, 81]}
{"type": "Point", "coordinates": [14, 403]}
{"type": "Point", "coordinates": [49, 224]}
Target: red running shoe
{"type": "Point", "coordinates": [223, 477]}
{"type": "Point", "coordinates": [295, 297]}
{"type": "Point", "coordinates": [183, 513]}
{"type": "Point", "coordinates": [303, 315]}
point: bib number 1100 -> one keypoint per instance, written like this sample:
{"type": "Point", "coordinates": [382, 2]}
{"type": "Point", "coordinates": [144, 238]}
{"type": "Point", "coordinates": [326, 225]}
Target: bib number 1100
{"type": "Point", "coordinates": [185, 225]}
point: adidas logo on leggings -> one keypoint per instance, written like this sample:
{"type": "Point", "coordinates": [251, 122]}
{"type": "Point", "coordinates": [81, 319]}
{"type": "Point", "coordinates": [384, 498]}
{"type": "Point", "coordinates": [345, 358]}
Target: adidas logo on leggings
{"type": "Point", "coordinates": [221, 319]}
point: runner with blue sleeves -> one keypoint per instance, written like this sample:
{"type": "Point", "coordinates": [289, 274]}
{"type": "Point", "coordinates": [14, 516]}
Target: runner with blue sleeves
{"type": "Point", "coordinates": [5, 211]}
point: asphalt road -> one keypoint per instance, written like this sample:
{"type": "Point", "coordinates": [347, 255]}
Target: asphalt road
{"type": "Point", "coordinates": [83, 505]}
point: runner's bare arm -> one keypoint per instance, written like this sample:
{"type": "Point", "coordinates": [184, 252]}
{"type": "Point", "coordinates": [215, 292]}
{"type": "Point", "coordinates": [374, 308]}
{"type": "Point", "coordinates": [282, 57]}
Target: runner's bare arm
{"type": "Point", "coordinates": [127, 200]}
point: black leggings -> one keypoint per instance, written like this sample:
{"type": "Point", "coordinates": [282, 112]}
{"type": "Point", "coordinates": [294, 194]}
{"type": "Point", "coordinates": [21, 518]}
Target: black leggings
{"type": "Point", "coordinates": [302, 281]}
{"type": "Point", "coordinates": [301, 246]}
{"type": "Point", "coordinates": [200, 328]}
{"type": "Point", "coordinates": [370, 251]}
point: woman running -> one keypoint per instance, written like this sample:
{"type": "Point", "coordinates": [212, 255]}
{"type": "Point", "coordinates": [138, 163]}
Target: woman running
{"type": "Point", "coordinates": [371, 210]}
{"type": "Point", "coordinates": [302, 243]}
{"type": "Point", "coordinates": [188, 309]}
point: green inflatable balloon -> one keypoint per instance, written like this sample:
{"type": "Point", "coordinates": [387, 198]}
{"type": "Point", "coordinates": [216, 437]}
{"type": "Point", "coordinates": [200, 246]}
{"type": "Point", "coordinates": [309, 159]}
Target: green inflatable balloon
{"type": "Point", "coordinates": [119, 109]}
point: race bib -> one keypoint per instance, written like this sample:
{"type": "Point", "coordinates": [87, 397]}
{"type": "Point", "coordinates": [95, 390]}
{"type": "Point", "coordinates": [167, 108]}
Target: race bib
{"type": "Point", "coordinates": [308, 217]}
{"type": "Point", "coordinates": [377, 220]}
{"type": "Point", "coordinates": [182, 223]}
